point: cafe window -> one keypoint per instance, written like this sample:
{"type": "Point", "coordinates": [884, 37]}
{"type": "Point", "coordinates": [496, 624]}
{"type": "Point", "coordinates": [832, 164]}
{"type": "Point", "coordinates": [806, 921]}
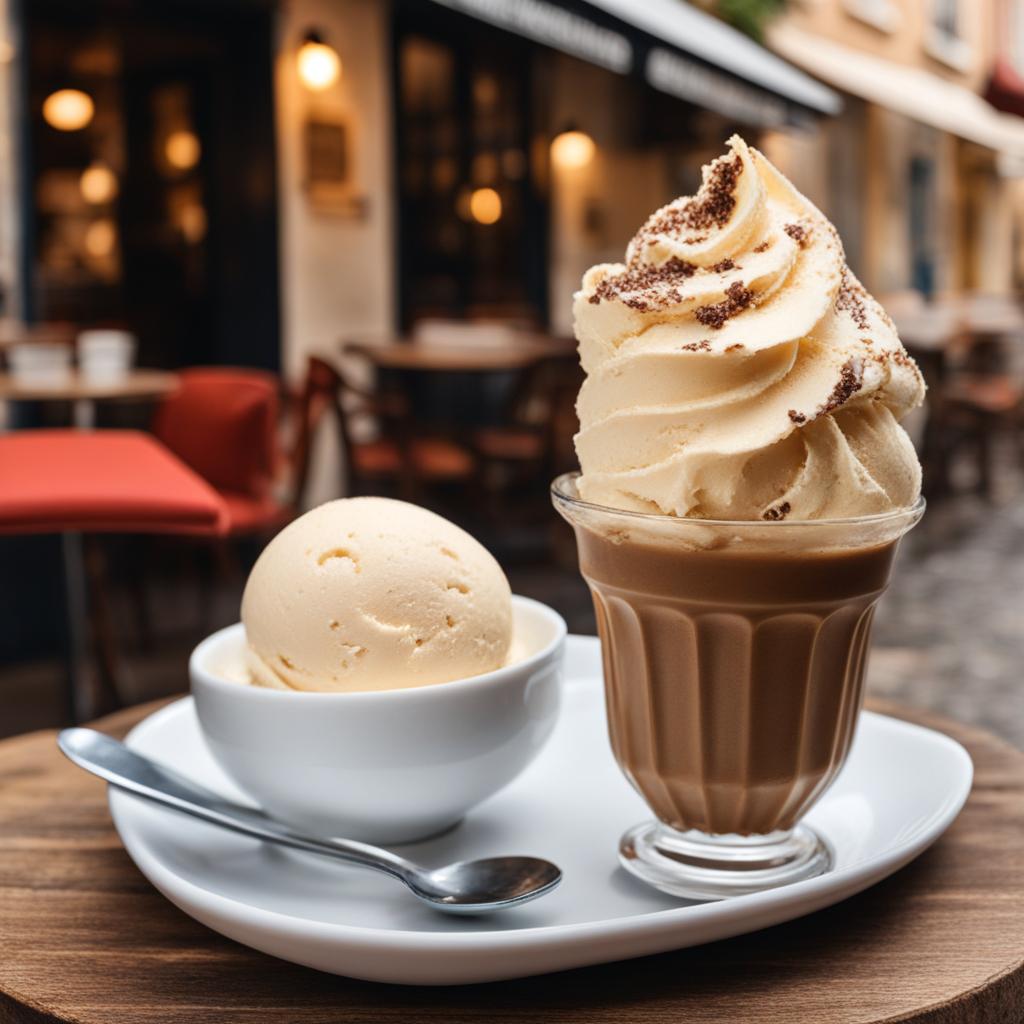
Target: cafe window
{"type": "Point", "coordinates": [471, 221]}
{"type": "Point", "coordinates": [142, 213]}
{"type": "Point", "coordinates": [1017, 34]}
{"type": "Point", "coordinates": [943, 38]}
{"type": "Point", "coordinates": [884, 15]}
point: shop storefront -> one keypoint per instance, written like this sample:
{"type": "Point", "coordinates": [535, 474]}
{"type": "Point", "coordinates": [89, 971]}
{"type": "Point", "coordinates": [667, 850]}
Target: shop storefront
{"type": "Point", "coordinates": [464, 158]}
{"type": "Point", "coordinates": [921, 173]}
{"type": "Point", "coordinates": [146, 174]}
{"type": "Point", "coordinates": [532, 138]}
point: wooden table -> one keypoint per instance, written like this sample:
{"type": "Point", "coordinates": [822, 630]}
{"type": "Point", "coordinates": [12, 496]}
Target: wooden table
{"type": "Point", "coordinates": [84, 937]}
{"type": "Point", "coordinates": [458, 358]}
{"type": "Point", "coordinates": [136, 384]}
{"type": "Point", "coordinates": [84, 392]}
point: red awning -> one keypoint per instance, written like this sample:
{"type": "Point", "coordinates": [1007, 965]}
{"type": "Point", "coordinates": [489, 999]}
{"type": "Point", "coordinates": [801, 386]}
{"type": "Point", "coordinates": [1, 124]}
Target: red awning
{"type": "Point", "coordinates": [1005, 89]}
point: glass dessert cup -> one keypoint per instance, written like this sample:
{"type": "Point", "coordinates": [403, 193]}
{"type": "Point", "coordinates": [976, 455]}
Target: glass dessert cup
{"type": "Point", "coordinates": [734, 657]}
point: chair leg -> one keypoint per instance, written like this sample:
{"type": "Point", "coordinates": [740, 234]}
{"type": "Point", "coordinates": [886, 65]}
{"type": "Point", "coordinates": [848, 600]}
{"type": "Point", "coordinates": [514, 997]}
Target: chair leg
{"type": "Point", "coordinates": [74, 592]}
{"type": "Point", "coordinates": [104, 642]}
{"type": "Point", "coordinates": [226, 571]}
{"type": "Point", "coordinates": [226, 561]}
{"type": "Point", "coordinates": [137, 582]}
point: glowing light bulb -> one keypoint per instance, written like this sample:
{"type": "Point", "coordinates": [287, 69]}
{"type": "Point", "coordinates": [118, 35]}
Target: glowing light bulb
{"type": "Point", "coordinates": [319, 64]}
{"type": "Point", "coordinates": [192, 221]}
{"type": "Point", "coordinates": [572, 149]}
{"type": "Point", "coordinates": [182, 150]}
{"type": "Point", "coordinates": [485, 206]}
{"type": "Point", "coordinates": [98, 183]}
{"type": "Point", "coordinates": [100, 238]}
{"type": "Point", "coordinates": [68, 110]}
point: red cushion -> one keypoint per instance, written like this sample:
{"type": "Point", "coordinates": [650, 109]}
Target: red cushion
{"type": "Point", "coordinates": [377, 458]}
{"type": "Point", "coordinates": [223, 423]}
{"type": "Point", "coordinates": [439, 459]}
{"type": "Point", "coordinates": [106, 480]}
{"type": "Point", "coordinates": [431, 458]}
{"type": "Point", "coordinates": [253, 515]}
{"type": "Point", "coordinates": [510, 443]}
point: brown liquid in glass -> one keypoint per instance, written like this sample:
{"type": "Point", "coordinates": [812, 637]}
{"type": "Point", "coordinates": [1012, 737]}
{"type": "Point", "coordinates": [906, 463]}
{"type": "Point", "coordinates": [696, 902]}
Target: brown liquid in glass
{"type": "Point", "coordinates": [733, 680]}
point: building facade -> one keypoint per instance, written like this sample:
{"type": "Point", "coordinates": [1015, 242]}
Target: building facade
{"type": "Point", "coordinates": [919, 172]}
{"type": "Point", "coordinates": [453, 158]}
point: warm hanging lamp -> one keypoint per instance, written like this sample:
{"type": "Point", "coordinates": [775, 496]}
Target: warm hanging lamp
{"type": "Point", "coordinates": [572, 148]}
{"type": "Point", "coordinates": [319, 64]}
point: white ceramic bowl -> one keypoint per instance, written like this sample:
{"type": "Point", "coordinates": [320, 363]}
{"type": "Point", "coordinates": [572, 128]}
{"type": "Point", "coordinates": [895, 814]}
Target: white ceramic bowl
{"type": "Point", "coordinates": [387, 766]}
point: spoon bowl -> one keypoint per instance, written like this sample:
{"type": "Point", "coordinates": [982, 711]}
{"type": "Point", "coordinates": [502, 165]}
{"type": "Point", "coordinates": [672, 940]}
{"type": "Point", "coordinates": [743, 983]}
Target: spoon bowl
{"type": "Point", "coordinates": [499, 882]}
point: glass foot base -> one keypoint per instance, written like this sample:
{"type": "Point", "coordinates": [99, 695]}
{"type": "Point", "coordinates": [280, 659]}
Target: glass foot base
{"type": "Point", "coordinates": [707, 867]}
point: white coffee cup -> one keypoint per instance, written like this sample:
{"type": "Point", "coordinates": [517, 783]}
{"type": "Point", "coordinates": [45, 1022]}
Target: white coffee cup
{"type": "Point", "coordinates": [105, 355]}
{"type": "Point", "coordinates": [40, 363]}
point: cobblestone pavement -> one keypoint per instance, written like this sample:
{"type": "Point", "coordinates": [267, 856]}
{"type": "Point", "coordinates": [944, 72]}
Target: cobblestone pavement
{"type": "Point", "coordinates": [949, 634]}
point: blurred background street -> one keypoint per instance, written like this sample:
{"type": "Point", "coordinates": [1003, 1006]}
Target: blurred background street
{"type": "Point", "coordinates": [328, 247]}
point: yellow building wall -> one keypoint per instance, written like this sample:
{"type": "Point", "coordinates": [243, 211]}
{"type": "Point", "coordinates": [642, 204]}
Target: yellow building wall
{"type": "Point", "coordinates": [970, 223]}
{"type": "Point", "coordinates": [908, 39]}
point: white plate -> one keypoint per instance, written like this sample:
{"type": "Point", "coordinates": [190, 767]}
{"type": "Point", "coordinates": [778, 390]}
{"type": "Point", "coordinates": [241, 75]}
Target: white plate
{"type": "Point", "coordinates": [901, 788]}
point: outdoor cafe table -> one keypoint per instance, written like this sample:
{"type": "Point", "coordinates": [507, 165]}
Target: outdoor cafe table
{"type": "Point", "coordinates": [85, 938]}
{"type": "Point", "coordinates": [432, 374]}
{"type": "Point", "coordinates": [431, 357]}
{"type": "Point", "coordinates": [84, 392]}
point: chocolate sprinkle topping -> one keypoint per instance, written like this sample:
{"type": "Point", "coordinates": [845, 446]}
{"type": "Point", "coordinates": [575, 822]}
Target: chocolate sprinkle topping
{"type": "Point", "coordinates": [737, 298]}
{"type": "Point", "coordinates": [642, 278]}
{"type": "Point", "coordinates": [850, 299]}
{"type": "Point", "coordinates": [777, 512]}
{"type": "Point", "coordinates": [710, 208]}
{"type": "Point", "coordinates": [726, 264]}
{"type": "Point", "coordinates": [696, 346]}
{"type": "Point", "coordinates": [797, 417]}
{"type": "Point", "coordinates": [849, 383]}
{"type": "Point", "coordinates": [763, 247]}
{"type": "Point", "coordinates": [733, 348]}
{"type": "Point", "coordinates": [797, 232]}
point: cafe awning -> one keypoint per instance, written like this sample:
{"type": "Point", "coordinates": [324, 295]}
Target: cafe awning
{"type": "Point", "coordinates": [915, 93]}
{"type": "Point", "coordinates": [1005, 89]}
{"type": "Point", "coordinates": [674, 47]}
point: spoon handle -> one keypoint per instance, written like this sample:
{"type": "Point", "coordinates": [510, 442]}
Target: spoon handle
{"type": "Point", "coordinates": [124, 768]}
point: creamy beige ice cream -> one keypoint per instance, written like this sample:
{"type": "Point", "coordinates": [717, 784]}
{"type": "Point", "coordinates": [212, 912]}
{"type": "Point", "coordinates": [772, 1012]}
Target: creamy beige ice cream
{"type": "Point", "coordinates": [736, 369]}
{"type": "Point", "coordinates": [374, 594]}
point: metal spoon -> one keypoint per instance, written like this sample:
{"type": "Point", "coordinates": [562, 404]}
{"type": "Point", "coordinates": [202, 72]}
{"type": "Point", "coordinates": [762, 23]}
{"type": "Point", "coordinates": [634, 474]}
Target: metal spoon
{"type": "Point", "coordinates": [466, 887]}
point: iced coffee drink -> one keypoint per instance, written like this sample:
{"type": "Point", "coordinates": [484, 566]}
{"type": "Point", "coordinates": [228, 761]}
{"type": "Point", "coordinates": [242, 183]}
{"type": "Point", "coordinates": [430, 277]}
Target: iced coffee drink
{"type": "Point", "coordinates": [745, 482]}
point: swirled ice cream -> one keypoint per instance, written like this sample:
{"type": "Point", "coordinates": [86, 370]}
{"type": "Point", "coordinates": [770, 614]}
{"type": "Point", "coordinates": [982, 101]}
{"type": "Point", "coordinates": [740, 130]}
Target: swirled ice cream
{"type": "Point", "coordinates": [736, 368]}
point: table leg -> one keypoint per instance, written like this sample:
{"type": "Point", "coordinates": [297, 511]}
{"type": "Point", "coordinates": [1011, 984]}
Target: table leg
{"type": "Point", "coordinates": [74, 592]}
{"type": "Point", "coordinates": [83, 414]}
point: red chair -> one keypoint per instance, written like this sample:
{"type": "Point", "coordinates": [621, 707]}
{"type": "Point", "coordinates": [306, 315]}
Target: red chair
{"type": "Point", "coordinates": [222, 422]}
{"type": "Point", "coordinates": [76, 482]}
{"type": "Point", "coordinates": [399, 456]}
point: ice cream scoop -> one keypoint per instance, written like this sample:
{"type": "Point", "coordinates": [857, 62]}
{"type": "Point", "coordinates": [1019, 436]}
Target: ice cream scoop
{"type": "Point", "coordinates": [374, 594]}
{"type": "Point", "coordinates": [736, 368]}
